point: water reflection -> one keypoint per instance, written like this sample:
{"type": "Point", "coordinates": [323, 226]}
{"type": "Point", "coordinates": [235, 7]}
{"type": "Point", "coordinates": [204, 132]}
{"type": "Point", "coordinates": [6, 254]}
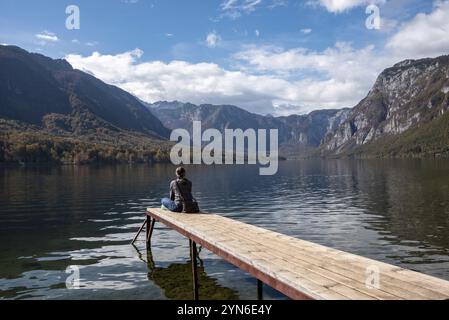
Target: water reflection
{"type": "Point", "coordinates": [176, 281]}
{"type": "Point", "coordinates": [50, 218]}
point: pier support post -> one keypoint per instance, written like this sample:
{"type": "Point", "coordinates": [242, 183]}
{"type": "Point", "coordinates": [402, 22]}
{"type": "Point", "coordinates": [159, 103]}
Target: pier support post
{"type": "Point", "coordinates": [193, 256]}
{"type": "Point", "coordinates": [147, 229]}
{"type": "Point", "coordinates": [150, 228]}
{"type": "Point", "coordinates": [259, 290]}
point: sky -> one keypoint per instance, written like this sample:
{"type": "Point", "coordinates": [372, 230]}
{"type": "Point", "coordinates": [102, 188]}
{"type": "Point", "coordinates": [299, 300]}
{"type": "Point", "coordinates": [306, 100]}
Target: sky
{"type": "Point", "coordinates": [276, 57]}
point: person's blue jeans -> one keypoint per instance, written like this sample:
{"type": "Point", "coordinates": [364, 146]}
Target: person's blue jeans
{"type": "Point", "coordinates": [171, 205]}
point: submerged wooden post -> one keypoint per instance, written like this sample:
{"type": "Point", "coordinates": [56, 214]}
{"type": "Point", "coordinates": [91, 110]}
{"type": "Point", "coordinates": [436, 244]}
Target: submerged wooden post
{"type": "Point", "coordinates": [194, 269]}
{"type": "Point", "coordinates": [259, 290]}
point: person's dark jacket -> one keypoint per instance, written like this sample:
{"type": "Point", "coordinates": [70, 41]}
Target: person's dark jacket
{"type": "Point", "coordinates": [185, 186]}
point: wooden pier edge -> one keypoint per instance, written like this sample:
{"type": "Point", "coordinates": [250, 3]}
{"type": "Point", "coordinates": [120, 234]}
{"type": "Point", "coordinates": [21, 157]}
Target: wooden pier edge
{"type": "Point", "coordinates": [299, 269]}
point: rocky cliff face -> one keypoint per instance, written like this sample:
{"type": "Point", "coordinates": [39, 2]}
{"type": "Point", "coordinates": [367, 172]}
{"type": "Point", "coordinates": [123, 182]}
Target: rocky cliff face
{"type": "Point", "coordinates": [297, 133]}
{"type": "Point", "coordinates": [408, 95]}
{"type": "Point", "coordinates": [309, 130]}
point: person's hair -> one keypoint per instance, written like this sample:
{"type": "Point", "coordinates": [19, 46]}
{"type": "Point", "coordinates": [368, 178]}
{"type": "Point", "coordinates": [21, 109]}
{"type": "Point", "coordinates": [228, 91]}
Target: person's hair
{"type": "Point", "coordinates": [180, 172]}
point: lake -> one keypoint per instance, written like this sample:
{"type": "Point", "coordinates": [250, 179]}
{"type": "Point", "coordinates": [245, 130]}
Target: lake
{"type": "Point", "coordinates": [395, 211]}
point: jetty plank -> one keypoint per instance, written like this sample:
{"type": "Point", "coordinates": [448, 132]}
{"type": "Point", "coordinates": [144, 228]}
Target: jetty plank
{"type": "Point", "coordinates": [301, 269]}
{"type": "Point", "coordinates": [340, 270]}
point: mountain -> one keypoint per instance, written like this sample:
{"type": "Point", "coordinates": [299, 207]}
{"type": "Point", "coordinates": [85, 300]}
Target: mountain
{"type": "Point", "coordinates": [297, 133]}
{"type": "Point", "coordinates": [404, 114]}
{"type": "Point", "coordinates": [181, 115]}
{"type": "Point", "coordinates": [50, 111]}
{"type": "Point", "coordinates": [37, 90]}
{"type": "Point", "coordinates": [306, 132]}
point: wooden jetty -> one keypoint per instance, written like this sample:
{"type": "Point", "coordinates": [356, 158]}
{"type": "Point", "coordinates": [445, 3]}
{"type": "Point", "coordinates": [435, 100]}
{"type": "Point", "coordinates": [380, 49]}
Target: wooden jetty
{"type": "Point", "coordinates": [296, 268]}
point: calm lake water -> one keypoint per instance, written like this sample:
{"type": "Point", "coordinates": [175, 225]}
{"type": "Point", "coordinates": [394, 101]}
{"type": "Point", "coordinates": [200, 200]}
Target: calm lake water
{"type": "Point", "coordinates": [53, 218]}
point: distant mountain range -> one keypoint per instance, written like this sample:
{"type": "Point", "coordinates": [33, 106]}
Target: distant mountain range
{"type": "Point", "coordinates": [405, 114]}
{"type": "Point", "coordinates": [298, 134]}
{"type": "Point", "coordinates": [57, 113]}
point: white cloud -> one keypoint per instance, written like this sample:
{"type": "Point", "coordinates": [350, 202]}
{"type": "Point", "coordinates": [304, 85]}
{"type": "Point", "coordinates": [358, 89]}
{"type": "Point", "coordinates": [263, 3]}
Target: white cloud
{"type": "Point", "coordinates": [47, 36]}
{"type": "Point", "coordinates": [212, 39]}
{"type": "Point", "coordinates": [240, 5]}
{"type": "Point", "coordinates": [236, 8]}
{"type": "Point", "coordinates": [336, 77]}
{"type": "Point", "coordinates": [209, 83]}
{"type": "Point", "coordinates": [427, 35]}
{"type": "Point", "coordinates": [179, 80]}
{"type": "Point", "coordinates": [306, 30]}
{"type": "Point", "coordinates": [334, 61]}
{"type": "Point", "coordinates": [228, 4]}
{"type": "Point", "coordinates": [257, 32]}
{"type": "Point", "coordinates": [271, 79]}
{"type": "Point", "coordinates": [338, 6]}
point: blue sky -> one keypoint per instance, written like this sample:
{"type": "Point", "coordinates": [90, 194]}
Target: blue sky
{"type": "Point", "coordinates": [268, 56]}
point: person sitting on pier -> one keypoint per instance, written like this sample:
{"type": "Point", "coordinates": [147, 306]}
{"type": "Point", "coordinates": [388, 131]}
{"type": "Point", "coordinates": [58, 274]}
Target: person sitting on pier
{"type": "Point", "coordinates": [181, 199]}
